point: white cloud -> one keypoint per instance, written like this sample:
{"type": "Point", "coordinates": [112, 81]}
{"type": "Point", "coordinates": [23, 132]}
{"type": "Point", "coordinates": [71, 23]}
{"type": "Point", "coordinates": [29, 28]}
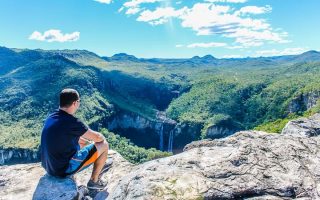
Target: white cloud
{"type": "Point", "coordinates": [104, 1]}
{"type": "Point", "coordinates": [136, 3]}
{"type": "Point", "coordinates": [232, 56]}
{"type": "Point", "coordinates": [203, 45]}
{"type": "Point", "coordinates": [254, 10]}
{"type": "Point", "coordinates": [275, 52]}
{"type": "Point", "coordinates": [247, 37]}
{"type": "Point", "coordinates": [226, 1]}
{"type": "Point", "coordinates": [204, 15]}
{"type": "Point", "coordinates": [160, 15]}
{"type": "Point", "coordinates": [55, 36]}
{"type": "Point", "coordinates": [132, 11]}
{"type": "Point", "coordinates": [207, 45]}
{"type": "Point", "coordinates": [133, 6]}
{"type": "Point", "coordinates": [235, 47]}
{"type": "Point", "coordinates": [210, 18]}
{"type": "Point", "coordinates": [214, 19]}
{"type": "Point", "coordinates": [121, 9]}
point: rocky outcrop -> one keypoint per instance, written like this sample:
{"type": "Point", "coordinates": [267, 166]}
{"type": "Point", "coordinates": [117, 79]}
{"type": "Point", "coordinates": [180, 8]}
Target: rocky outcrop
{"type": "Point", "coordinates": [53, 188]}
{"type": "Point", "coordinates": [304, 126]}
{"type": "Point", "coordinates": [30, 181]}
{"type": "Point", "coordinates": [19, 181]}
{"type": "Point", "coordinates": [246, 165]}
{"type": "Point", "coordinates": [304, 101]}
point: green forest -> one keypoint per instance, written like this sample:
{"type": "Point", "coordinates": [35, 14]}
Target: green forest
{"type": "Point", "coordinates": [247, 93]}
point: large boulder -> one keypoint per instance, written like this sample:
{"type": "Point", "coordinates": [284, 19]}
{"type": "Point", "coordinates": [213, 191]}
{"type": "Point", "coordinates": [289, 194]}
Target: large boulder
{"type": "Point", "coordinates": [249, 164]}
{"type": "Point", "coordinates": [246, 165]}
{"type": "Point", "coordinates": [30, 181]}
{"type": "Point", "coordinates": [303, 126]}
{"type": "Point", "coordinates": [53, 188]}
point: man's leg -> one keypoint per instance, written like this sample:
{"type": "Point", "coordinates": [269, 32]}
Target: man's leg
{"type": "Point", "coordinates": [102, 148]}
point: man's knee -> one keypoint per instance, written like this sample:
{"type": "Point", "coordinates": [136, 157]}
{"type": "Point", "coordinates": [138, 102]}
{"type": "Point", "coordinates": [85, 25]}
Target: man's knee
{"type": "Point", "coordinates": [103, 146]}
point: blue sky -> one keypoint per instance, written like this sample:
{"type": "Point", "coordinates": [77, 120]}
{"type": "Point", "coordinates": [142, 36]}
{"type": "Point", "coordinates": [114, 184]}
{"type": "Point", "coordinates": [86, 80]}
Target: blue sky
{"type": "Point", "coordinates": [163, 28]}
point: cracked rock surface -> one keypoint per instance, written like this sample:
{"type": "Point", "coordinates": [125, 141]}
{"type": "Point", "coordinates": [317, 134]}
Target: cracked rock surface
{"type": "Point", "coordinates": [247, 165]}
{"type": "Point", "coordinates": [308, 127]}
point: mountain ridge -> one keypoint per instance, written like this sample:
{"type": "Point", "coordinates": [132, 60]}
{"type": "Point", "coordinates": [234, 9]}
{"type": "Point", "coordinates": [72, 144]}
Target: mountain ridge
{"type": "Point", "coordinates": [125, 56]}
{"type": "Point", "coordinates": [204, 99]}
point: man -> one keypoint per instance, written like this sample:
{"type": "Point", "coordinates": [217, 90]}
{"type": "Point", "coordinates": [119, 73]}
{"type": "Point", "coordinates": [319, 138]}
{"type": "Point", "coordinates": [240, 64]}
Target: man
{"type": "Point", "coordinates": [63, 139]}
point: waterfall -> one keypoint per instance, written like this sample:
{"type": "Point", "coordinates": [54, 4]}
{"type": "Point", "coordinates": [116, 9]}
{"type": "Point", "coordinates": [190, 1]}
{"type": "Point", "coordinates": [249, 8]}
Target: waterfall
{"type": "Point", "coordinates": [170, 143]}
{"type": "Point", "coordinates": [161, 138]}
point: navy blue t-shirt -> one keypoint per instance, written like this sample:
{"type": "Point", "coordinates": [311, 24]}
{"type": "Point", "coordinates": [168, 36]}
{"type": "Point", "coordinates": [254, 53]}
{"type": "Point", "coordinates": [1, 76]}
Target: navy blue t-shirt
{"type": "Point", "coordinates": [59, 141]}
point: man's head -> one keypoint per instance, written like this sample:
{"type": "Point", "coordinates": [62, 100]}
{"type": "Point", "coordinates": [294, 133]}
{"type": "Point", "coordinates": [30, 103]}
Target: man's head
{"type": "Point", "coordinates": [69, 100]}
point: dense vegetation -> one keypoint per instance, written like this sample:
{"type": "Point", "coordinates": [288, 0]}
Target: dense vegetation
{"type": "Point", "coordinates": [239, 93]}
{"type": "Point", "coordinates": [130, 151]}
{"type": "Point", "coordinates": [248, 98]}
{"type": "Point", "coordinates": [277, 125]}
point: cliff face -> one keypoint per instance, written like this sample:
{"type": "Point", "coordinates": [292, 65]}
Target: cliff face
{"type": "Point", "coordinates": [143, 131]}
{"type": "Point", "coordinates": [304, 102]}
{"type": "Point", "coordinates": [218, 132]}
{"type": "Point", "coordinates": [11, 155]}
{"type": "Point", "coordinates": [246, 165]}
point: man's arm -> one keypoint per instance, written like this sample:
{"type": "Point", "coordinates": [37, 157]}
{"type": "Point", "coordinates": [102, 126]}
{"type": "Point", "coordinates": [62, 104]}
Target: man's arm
{"type": "Point", "coordinates": [93, 135]}
{"type": "Point", "coordinates": [83, 142]}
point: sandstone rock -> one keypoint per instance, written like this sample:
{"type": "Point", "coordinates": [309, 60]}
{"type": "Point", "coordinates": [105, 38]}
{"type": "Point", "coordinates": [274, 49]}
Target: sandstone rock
{"type": "Point", "coordinates": [19, 181]}
{"type": "Point", "coordinates": [29, 181]}
{"type": "Point", "coordinates": [53, 188]}
{"type": "Point", "coordinates": [304, 126]}
{"type": "Point", "coordinates": [249, 164]}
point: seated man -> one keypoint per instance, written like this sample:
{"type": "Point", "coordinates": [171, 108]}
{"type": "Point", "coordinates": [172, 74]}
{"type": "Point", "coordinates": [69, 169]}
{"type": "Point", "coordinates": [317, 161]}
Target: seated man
{"type": "Point", "coordinates": [63, 139]}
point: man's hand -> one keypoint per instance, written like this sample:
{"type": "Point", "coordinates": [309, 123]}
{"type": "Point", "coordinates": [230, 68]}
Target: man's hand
{"type": "Point", "coordinates": [93, 135]}
{"type": "Point", "coordinates": [83, 142]}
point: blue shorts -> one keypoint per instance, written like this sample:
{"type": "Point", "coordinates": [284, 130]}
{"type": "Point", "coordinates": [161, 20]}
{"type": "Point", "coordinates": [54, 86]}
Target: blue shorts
{"type": "Point", "coordinates": [82, 159]}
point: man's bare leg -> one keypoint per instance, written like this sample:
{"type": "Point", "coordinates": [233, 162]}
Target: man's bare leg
{"type": "Point", "coordinates": [102, 148]}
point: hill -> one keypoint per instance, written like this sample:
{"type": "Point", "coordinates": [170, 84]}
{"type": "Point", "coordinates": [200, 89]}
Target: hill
{"type": "Point", "coordinates": [160, 103]}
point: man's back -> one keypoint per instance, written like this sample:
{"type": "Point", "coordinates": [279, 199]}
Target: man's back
{"type": "Point", "coordinates": [59, 141]}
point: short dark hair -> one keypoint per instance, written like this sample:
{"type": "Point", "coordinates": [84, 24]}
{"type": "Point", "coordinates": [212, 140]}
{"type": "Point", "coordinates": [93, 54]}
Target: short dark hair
{"type": "Point", "coordinates": [68, 96]}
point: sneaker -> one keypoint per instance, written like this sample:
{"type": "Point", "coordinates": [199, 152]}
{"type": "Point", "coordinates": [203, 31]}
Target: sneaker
{"type": "Point", "coordinates": [82, 191]}
{"type": "Point", "coordinates": [99, 185]}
